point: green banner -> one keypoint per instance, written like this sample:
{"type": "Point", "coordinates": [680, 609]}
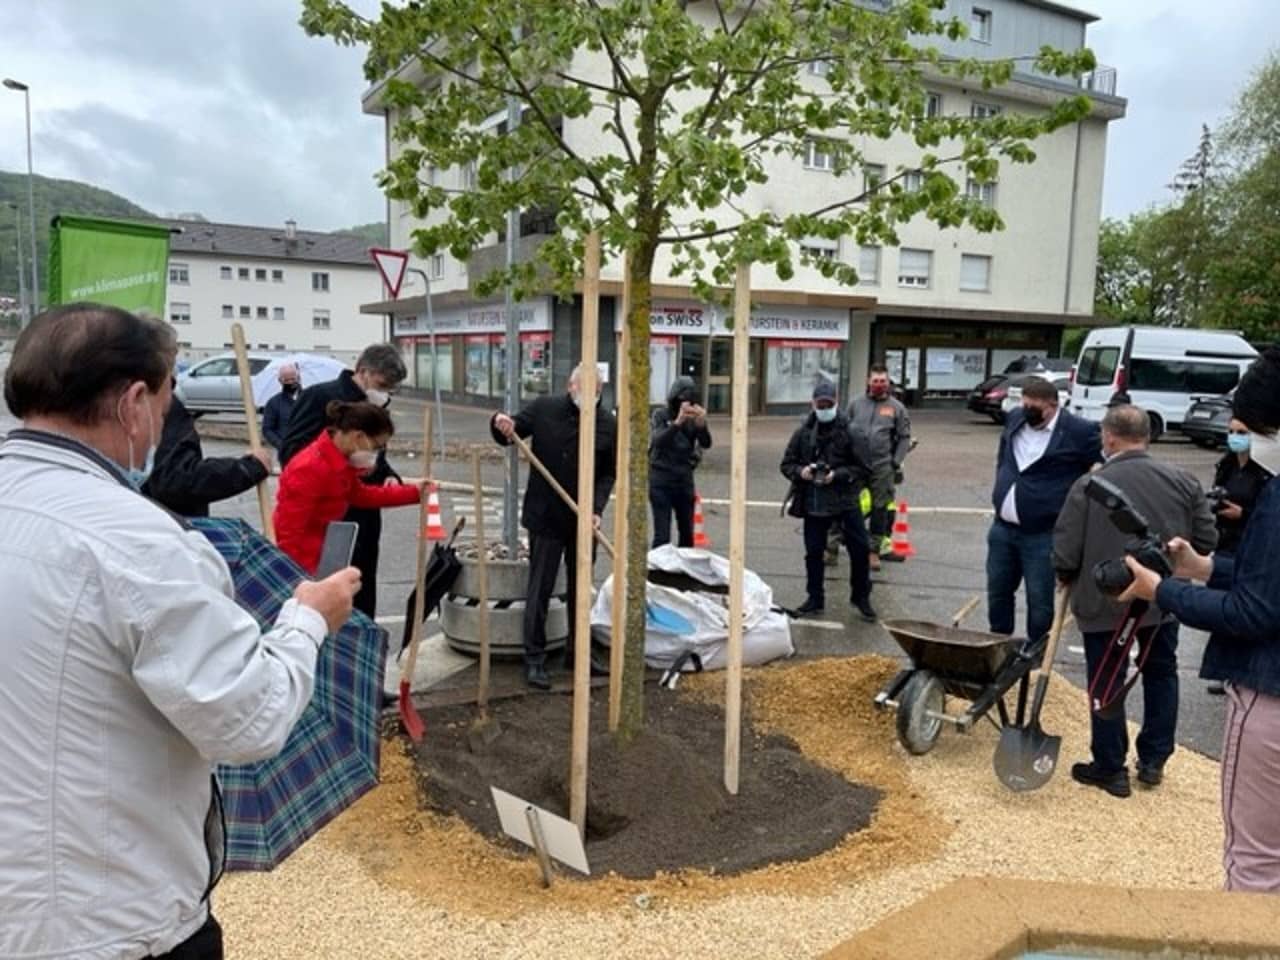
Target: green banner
{"type": "Point", "coordinates": [109, 261]}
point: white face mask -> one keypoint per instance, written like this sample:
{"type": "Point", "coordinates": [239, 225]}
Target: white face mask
{"type": "Point", "coordinates": [363, 459]}
{"type": "Point", "coordinates": [1265, 451]}
{"type": "Point", "coordinates": [824, 414]}
{"type": "Point", "coordinates": [379, 398]}
{"type": "Point", "coordinates": [137, 476]}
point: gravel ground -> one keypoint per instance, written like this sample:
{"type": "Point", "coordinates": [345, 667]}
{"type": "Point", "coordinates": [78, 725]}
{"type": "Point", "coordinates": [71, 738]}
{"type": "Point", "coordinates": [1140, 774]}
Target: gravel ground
{"type": "Point", "coordinates": [389, 879]}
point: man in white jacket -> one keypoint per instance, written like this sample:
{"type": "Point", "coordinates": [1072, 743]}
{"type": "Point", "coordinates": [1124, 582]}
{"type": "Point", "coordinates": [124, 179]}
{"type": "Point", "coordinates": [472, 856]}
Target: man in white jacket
{"type": "Point", "coordinates": [129, 670]}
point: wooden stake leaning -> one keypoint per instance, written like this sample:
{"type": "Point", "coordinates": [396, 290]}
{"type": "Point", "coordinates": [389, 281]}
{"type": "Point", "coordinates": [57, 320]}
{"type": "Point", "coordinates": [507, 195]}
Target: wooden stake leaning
{"type": "Point", "coordinates": [484, 730]}
{"type": "Point", "coordinates": [251, 418]}
{"type": "Point", "coordinates": [587, 377]}
{"type": "Point", "coordinates": [737, 528]}
{"type": "Point", "coordinates": [412, 721]}
{"type": "Point", "coordinates": [617, 641]}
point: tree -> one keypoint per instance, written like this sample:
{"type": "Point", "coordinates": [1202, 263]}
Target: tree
{"type": "Point", "coordinates": [691, 99]}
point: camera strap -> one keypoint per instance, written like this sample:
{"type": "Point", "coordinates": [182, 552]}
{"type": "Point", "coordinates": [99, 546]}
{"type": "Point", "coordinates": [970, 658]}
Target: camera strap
{"type": "Point", "coordinates": [1108, 686]}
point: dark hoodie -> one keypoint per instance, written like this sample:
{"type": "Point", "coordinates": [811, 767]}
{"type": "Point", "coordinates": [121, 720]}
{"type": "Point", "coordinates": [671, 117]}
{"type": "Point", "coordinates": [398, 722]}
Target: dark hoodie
{"type": "Point", "coordinates": [674, 451]}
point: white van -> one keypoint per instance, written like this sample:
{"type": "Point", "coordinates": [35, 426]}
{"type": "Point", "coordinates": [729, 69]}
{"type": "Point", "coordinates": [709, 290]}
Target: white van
{"type": "Point", "coordinates": [1162, 369]}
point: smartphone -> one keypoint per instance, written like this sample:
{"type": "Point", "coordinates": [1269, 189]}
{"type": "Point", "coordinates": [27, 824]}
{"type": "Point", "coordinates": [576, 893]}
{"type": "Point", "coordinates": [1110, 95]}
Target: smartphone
{"type": "Point", "coordinates": [339, 545]}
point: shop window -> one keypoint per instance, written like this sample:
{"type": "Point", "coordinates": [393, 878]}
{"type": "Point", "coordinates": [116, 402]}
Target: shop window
{"type": "Point", "coordinates": [535, 364]}
{"type": "Point", "coordinates": [947, 369]}
{"type": "Point", "coordinates": [476, 366]}
{"type": "Point", "coordinates": [794, 367]}
{"type": "Point", "coordinates": [442, 367]}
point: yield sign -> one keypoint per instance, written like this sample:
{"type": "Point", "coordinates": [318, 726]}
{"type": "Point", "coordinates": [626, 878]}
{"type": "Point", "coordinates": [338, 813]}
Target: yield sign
{"type": "Point", "coordinates": [391, 264]}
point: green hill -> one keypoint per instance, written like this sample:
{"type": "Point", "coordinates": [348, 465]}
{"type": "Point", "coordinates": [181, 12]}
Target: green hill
{"type": "Point", "coordinates": [373, 233]}
{"type": "Point", "coordinates": [52, 198]}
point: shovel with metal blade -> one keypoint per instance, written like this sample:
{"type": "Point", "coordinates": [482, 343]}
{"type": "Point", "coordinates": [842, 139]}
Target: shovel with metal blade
{"type": "Point", "coordinates": [1027, 756]}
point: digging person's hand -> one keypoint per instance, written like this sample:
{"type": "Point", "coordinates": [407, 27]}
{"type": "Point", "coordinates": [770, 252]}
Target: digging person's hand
{"type": "Point", "coordinates": [331, 597]}
{"type": "Point", "coordinates": [504, 425]}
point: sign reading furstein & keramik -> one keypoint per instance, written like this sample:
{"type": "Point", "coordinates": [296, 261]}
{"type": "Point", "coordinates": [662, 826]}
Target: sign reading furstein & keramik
{"type": "Point", "coordinates": [109, 261]}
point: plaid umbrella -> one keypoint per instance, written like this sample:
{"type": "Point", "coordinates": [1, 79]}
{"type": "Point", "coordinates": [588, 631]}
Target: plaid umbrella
{"type": "Point", "coordinates": [331, 757]}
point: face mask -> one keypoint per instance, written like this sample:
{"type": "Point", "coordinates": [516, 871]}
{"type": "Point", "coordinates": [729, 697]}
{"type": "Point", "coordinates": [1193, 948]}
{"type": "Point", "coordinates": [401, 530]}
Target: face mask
{"type": "Point", "coordinates": [577, 400]}
{"type": "Point", "coordinates": [137, 476]}
{"type": "Point", "coordinates": [379, 398]}
{"type": "Point", "coordinates": [289, 389]}
{"type": "Point", "coordinates": [824, 414]}
{"type": "Point", "coordinates": [1238, 442]}
{"type": "Point", "coordinates": [879, 392]}
{"type": "Point", "coordinates": [1035, 416]}
{"type": "Point", "coordinates": [363, 459]}
{"type": "Point", "coordinates": [1265, 451]}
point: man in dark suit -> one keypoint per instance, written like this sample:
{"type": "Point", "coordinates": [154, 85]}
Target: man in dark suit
{"type": "Point", "coordinates": [1043, 451]}
{"type": "Point", "coordinates": [1174, 505]}
{"type": "Point", "coordinates": [379, 370]}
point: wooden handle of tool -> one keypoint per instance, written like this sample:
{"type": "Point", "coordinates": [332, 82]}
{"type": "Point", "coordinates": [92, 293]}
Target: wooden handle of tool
{"type": "Point", "coordinates": [555, 485]}
{"type": "Point", "coordinates": [482, 583]}
{"type": "Point", "coordinates": [1060, 598]}
{"type": "Point", "coordinates": [251, 418]}
{"type": "Point", "coordinates": [420, 599]}
{"type": "Point", "coordinates": [966, 609]}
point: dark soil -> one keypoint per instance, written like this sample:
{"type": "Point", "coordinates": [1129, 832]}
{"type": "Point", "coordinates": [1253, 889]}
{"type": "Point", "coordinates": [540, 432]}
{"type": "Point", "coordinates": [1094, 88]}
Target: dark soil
{"type": "Point", "coordinates": [657, 805]}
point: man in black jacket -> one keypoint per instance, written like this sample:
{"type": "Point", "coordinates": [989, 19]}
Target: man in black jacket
{"type": "Point", "coordinates": [185, 481]}
{"type": "Point", "coordinates": [379, 370]}
{"type": "Point", "coordinates": [678, 436]}
{"type": "Point", "coordinates": [1043, 451]}
{"type": "Point", "coordinates": [550, 423]}
{"type": "Point", "coordinates": [826, 477]}
{"type": "Point", "coordinates": [275, 416]}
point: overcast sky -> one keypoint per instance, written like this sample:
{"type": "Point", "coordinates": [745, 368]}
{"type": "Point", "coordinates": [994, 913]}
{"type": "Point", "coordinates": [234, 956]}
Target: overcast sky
{"type": "Point", "coordinates": [228, 109]}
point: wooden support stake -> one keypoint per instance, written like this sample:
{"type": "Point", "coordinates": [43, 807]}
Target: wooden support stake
{"type": "Point", "coordinates": [251, 418]}
{"type": "Point", "coordinates": [737, 528]}
{"type": "Point", "coordinates": [618, 630]}
{"type": "Point", "coordinates": [587, 377]}
{"type": "Point", "coordinates": [482, 578]}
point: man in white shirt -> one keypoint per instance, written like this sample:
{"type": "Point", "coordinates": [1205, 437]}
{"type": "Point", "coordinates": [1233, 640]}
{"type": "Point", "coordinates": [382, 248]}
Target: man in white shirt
{"type": "Point", "coordinates": [1043, 451]}
{"type": "Point", "coordinates": [129, 669]}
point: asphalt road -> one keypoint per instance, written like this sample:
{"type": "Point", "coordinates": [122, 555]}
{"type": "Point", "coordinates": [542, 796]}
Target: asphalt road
{"type": "Point", "coordinates": [947, 485]}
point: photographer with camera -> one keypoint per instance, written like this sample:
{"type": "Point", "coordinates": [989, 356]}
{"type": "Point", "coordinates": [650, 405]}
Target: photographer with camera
{"type": "Point", "coordinates": [1240, 606]}
{"type": "Point", "coordinates": [826, 475]}
{"type": "Point", "coordinates": [1089, 540]}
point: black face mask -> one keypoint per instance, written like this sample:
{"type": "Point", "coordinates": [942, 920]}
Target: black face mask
{"type": "Point", "coordinates": [290, 389]}
{"type": "Point", "coordinates": [1035, 416]}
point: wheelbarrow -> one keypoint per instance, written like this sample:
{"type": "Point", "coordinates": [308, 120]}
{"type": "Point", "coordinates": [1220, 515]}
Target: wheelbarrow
{"type": "Point", "coordinates": [950, 661]}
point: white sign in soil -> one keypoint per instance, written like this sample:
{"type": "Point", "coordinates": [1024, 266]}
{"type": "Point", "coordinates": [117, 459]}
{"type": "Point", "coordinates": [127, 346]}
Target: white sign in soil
{"type": "Point", "coordinates": [561, 836]}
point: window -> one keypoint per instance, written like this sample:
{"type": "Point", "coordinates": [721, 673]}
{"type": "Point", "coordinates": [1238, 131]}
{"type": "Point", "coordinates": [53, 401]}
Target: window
{"type": "Point", "coordinates": [260, 274]}
{"type": "Point", "coordinates": [933, 105]}
{"type": "Point", "coordinates": [975, 272]}
{"type": "Point", "coordinates": [179, 273]}
{"type": "Point", "coordinates": [872, 176]}
{"type": "Point", "coordinates": [1183, 376]}
{"type": "Point", "coordinates": [245, 313]}
{"type": "Point", "coordinates": [819, 248]}
{"type": "Point", "coordinates": [319, 320]}
{"type": "Point", "coordinates": [984, 193]}
{"type": "Point", "coordinates": [219, 367]}
{"type": "Point", "coordinates": [277, 314]}
{"type": "Point", "coordinates": [277, 276]}
{"type": "Point", "coordinates": [913, 267]}
{"type": "Point", "coordinates": [1097, 366]}
{"type": "Point", "coordinates": [818, 155]}
{"type": "Point", "coordinates": [980, 25]}
{"type": "Point", "coordinates": [869, 264]}
{"type": "Point", "coordinates": [913, 181]}
{"type": "Point", "coordinates": [470, 174]}
{"type": "Point", "coordinates": [179, 312]}
{"type": "Point", "coordinates": [795, 367]}
{"type": "Point", "coordinates": [320, 282]}
{"type": "Point", "coordinates": [228, 311]}
{"type": "Point", "coordinates": [431, 175]}
{"type": "Point", "coordinates": [437, 266]}
{"type": "Point", "coordinates": [243, 273]}
{"type": "Point", "coordinates": [224, 273]}
{"type": "Point", "coordinates": [820, 68]}
{"type": "Point", "coordinates": [984, 111]}
{"type": "Point", "coordinates": [262, 313]}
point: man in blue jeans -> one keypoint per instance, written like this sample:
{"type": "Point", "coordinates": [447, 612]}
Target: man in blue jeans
{"type": "Point", "coordinates": [1174, 505]}
{"type": "Point", "coordinates": [1043, 451]}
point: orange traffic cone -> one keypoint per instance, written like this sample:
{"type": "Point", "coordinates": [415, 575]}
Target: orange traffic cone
{"type": "Point", "coordinates": [435, 526]}
{"type": "Point", "coordinates": [901, 540]}
{"type": "Point", "coordinates": [700, 538]}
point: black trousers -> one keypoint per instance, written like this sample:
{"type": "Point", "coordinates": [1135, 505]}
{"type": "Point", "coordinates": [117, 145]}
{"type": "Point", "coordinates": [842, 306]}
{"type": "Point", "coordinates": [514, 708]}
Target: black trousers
{"type": "Point", "coordinates": [1157, 739]}
{"type": "Point", "coordinates": [545, 554]}
{"type": "Point", "coordinates": [365, 557]}
{"type": "Point", "coordinates": [204, 944]}
{"type": "Point", "coordinates": [665, 501]}
{"type": "Point", "coordinates": [855, 540]}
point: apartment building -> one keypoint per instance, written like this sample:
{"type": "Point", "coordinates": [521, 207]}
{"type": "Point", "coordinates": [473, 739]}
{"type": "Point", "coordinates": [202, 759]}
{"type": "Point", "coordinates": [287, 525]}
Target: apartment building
{"type": "Point", "coordinates": [943, 309]}
{"type": "Point", "coordinates": [292, 290]}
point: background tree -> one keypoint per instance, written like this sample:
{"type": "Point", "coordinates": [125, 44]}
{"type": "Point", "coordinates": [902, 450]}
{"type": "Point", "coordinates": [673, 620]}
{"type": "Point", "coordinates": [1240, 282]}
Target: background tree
{"type": "Point", "coordinates": [691, 101]}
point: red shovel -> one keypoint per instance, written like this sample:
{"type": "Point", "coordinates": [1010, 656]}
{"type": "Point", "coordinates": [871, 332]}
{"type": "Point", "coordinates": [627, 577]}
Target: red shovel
{"type": "Point", "coordinates": [409, 716]}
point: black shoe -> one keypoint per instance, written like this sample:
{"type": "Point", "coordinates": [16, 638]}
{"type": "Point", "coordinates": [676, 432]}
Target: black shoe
{"type": "Point", "coordinates": [892, 557]}
{"type": "Point", "coordinates": [1116, 784]}
{"type": "Point", "coordinates": [810, 606]}
{"type": "Point", "coordinates": [536, 676]}
{"type": "Point", "coordinates": [1216, 687]}
{"type": "Point", "coordinates": [1150, 776]}
{"type": "Point", "coordinates": [865, 610]}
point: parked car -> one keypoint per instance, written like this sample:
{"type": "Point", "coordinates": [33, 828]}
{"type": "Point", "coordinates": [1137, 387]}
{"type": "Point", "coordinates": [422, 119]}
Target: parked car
{"type": "Point", "coordinates": [988, 397]}
{"type": "Point", "coordinates": [1161, 369]}
{"type": "Point", "coordinates": [213, 385]}
{"type": "Point", "coordinates": [1207, 419]}
{"type": "Point", "coordinates": [1060, 379]}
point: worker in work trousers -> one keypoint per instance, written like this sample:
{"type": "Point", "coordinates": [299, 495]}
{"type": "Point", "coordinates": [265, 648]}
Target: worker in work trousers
{"type": "Point", "coordinates": [884, 421]}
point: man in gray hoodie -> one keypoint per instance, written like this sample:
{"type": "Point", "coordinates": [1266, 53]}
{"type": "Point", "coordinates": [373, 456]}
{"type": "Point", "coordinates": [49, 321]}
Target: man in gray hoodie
{"type": "Point", "coordinates": [883, 419]}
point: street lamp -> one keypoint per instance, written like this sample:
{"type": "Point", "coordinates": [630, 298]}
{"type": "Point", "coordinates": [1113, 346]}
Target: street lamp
{"type": "Point", "coordinates": [12, 84]}
{"type": "Point", "coordinates": [22, 270]}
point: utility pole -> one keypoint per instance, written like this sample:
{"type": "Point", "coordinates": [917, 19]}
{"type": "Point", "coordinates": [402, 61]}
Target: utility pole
{"type": "Point", "coordinates": [22, 270]}
{"type": "Point", "coordinates": [31, 201]}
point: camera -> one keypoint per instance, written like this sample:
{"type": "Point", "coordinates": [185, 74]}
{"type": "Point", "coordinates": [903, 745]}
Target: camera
{"type": "Point", "coordinates": [820, 468]}
{"type": "Point", "coordinates": [1112, 576]}
{"type": "Point", "coordinates": [1217, 497]}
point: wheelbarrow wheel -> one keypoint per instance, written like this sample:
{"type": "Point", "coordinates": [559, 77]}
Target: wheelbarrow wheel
{"type": "Point", "coordinates": [917, 730]}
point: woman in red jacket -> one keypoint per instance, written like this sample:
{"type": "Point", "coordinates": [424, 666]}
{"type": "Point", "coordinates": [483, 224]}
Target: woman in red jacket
{"type": "Point", "coordinates": [323, 480]}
